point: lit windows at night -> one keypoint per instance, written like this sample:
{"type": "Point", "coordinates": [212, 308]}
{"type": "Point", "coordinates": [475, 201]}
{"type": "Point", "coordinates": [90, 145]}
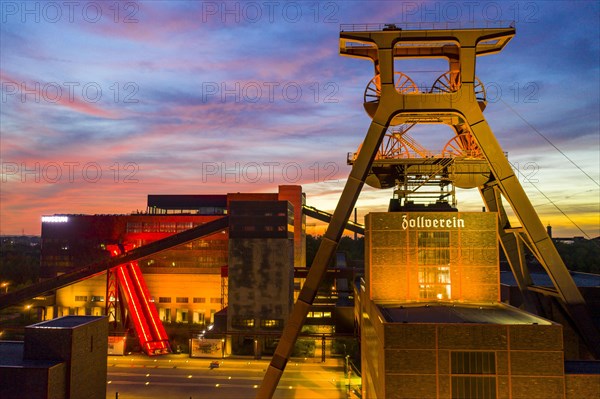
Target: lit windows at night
{"type": "Point", "coordinates": [271, 323]}
{"type": "Point", "coordinates": [81, 298]}
{"type": "Point", "coordinates": [55, 219]}
{"type": "Point", "coordinates": [318, 315]}
{"type": "Point", "coordinates": [242, 323]}
{"type": "Point", "coordinates": [182, 300]}
{"type": "Point", "coordinates": [199, 300]}
{"type": "Point", "coordinates": [164, 299]}
{"type": "Point", "coordinates": [433, 257]}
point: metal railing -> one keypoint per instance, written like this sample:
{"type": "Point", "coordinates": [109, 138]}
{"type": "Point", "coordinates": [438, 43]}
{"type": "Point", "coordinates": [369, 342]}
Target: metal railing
{"type": "Point", "coordinates": [368, 27]}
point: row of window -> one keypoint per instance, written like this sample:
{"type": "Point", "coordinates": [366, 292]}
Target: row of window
{"type": "Point", "coordinates": [167, 299]}
{"type": "Point", "coordinates": [156, 227]}
{"type": "Point", "coordinates": [203, 210]}
{"type": "Point", "coordinates": [93, 298]}
{"type": "Point", "coordinates": [318, 315]}
{"type": "Point", "coordinates": [245, 323]}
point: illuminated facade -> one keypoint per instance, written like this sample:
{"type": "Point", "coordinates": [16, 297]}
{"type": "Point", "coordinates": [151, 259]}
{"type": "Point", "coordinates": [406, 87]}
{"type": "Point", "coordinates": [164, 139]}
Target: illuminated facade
{"type": "Point", "coordinates": [431, 323]}
{"type": "Point", "coordinates": [185, 282]}
{"type": "Point", "coordinates": [429, 256]}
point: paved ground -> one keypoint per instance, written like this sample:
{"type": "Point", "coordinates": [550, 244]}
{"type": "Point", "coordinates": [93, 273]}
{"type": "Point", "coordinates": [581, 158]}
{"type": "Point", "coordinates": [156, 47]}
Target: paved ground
{"type": "Point", "coordinates": [179, 377]}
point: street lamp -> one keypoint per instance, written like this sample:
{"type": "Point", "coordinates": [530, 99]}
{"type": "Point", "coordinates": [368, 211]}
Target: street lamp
{"type": "Point", "coordinates": [28, 307]}
{"type": "Point", "coordinates": [5, 286]}
{"type": "Point", "coordinates": [348, 372]}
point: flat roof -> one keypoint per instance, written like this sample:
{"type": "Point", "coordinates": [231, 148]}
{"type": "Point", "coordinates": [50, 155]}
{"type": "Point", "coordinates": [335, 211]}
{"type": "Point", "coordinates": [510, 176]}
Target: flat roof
{"type": "Point", "coordinates": [11, 355]}
{"type": "Point", "coordinates": [582, 367]}
{"type": "Point", "coordinates": [458, 313]}
{"type": "Point", "coordinates": [543, 280]}
{"type": "Point", "coordinates": [66, 322]}
{"type": "Point", "coordinates": [187, 201]}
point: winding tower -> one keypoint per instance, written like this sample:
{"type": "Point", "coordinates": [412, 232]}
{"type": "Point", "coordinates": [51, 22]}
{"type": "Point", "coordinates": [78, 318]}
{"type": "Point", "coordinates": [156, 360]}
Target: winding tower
{"type": "Point", "coordinates": [390, 157]}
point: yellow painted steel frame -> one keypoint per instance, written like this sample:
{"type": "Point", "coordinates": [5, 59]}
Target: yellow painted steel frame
{"type": "Point", "coordinates": [462, 106]}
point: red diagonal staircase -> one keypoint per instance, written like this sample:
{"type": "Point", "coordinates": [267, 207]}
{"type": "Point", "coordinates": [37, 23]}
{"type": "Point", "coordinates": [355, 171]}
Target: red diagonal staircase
{"type": "Point", "coordinates": [143, 314]}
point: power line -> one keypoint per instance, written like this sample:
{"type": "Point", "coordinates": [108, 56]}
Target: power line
{"type": "Point", "coordinates": [556, 206]}
{"type": "Point", "coordinates": [549, 142]}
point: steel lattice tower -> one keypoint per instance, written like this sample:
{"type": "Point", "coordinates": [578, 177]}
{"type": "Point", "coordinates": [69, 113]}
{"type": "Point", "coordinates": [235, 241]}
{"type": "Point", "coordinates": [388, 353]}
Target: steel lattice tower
{"type": "Point", "coordinates": [457, 99]}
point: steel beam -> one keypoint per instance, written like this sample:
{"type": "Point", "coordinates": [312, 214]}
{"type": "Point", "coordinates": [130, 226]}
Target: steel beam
{"type": "Point", "coordinates": [94, 269]}
{"type": "Point", "coordinates": [324, 255]}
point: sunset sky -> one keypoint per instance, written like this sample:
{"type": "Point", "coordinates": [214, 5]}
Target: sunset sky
{"type": "Point", "coordinates": [106, 102]}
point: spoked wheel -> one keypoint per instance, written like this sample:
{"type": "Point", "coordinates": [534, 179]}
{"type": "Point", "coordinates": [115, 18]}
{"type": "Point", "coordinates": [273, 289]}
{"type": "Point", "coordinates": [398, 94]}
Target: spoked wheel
{"type": "Point", "coordinates": [403, 84]}
{"type": "Point", "coordinates": [392, 147]}
{"type": "Point", "coordinates": [462, 145]}
{"type": "Point", "coordinates": [450, 82]}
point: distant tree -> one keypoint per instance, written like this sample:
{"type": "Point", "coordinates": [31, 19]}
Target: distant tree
{"type": "Point", "coordinates": [355, 250]}
{"type": "Point", "coordinates": [19, 263]}
{"type": "Point", "coordinates": [581, 255]}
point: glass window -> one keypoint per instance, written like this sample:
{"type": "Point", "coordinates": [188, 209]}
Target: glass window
{"type": "Point", "coordinates": [473, 375]}
{"type": "Point", "coordinates": [271, 323]}
{"type": "Point", "coordinates": [242, 322]}
{"type": "Point", "coordinates": [434, 265]}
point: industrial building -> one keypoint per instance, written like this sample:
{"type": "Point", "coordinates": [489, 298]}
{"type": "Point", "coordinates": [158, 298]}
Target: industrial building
{"type": "Point", "coordinates": [187, 283]}
{"type": "Point", "coordinates": [60, 358]}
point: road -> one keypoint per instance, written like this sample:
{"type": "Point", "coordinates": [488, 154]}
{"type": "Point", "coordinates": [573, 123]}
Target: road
{"type": "Point", "coordinates": [179, 377]}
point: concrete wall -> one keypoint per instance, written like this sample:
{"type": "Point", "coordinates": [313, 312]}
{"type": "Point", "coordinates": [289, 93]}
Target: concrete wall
{"type": "Point", "coordinates": [261, 276]}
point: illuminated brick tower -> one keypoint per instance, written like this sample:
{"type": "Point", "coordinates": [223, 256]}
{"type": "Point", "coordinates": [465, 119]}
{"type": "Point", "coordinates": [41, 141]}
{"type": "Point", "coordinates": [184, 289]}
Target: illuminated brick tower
{"type": "Point", "coordinates": [389, 157]}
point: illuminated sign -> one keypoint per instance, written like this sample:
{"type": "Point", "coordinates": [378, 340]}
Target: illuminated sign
{"type": "Point", "coordinates": [55, 219]}
{"type": "Point", "coordinates": [425, 222]}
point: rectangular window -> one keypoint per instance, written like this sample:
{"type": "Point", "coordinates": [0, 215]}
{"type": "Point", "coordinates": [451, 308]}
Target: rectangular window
{"type": "Point", "coordinates": [215, 300]}
{"type": "Point", "coordinates": [168, 227]}
{"type": "Point", "coordinates": [183, 226]}
{"type": "Point", "coordinates": [180, 299]}
{"type": "Point", "coordinates": [97, 299]}
{"type": "Point", "coordinates": [150, 227]}
{"type": "Point", "coordinates": [81, 298]}
{"type": "Point", "coordinates": [434, 265]}
{"type": "Point", "coordinates": [199, 300]}
{"type": "Point", "coordinates": [242, 323]}
{"type": "Point", "coordinates": [473, 375]}
{"type": "Point", "coordinates": [271, 324]}
{"type": "Point", "coordinates": [134, 227]}
{"type": "Point", "coordinates": [164, 299]}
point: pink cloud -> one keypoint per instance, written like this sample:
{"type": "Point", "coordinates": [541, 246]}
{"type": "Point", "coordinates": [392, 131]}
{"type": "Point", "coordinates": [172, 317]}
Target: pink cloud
{"type": "Point", "coordinates": [72, 104]}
